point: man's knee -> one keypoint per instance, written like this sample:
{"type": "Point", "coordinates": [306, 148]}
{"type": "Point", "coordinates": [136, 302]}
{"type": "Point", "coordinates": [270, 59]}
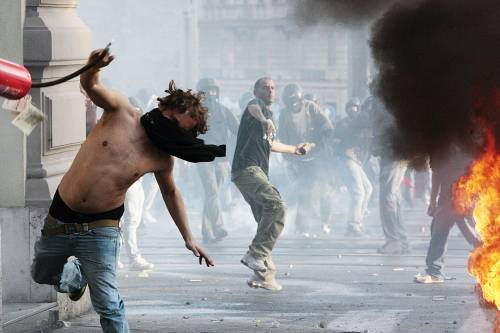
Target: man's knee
{"type": "Point", "coordinates": [276, 205]}
{"type": "Point", "coordinates": [42, 274]}
{"type": "Point", "coordinates": [36, 273]}
{"type": "Point", "coordinates": [107, 305]}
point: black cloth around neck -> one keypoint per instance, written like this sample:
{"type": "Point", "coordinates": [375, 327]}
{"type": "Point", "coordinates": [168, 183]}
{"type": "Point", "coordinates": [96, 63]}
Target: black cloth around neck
{"type": "Point", "coordinates": [175, 141]}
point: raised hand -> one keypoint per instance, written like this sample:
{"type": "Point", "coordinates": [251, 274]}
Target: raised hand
{"type": "Point", "coordinates": [269, 127]}
{"type": "Point", "coordinates": [106, 60]}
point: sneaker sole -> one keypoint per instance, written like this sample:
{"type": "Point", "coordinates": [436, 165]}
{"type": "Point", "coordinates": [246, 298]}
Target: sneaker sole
{"type": "Point", "coordinates": [257, 285]}
{"type": "Point", "coordinates": [427, 281]}
{"type": "Point", "coordinates": [253, 268]}
{"type": "Point", "coordinates": [253, 284]}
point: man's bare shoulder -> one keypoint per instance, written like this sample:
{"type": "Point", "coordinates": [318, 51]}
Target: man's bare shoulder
{"type": "Point", "coordinates": [125, 111]}
{"type": "Point", "coordinates": [164, 164]}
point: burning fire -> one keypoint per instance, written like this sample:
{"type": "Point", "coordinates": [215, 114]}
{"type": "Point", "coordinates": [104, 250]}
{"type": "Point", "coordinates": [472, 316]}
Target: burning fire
{"type": "Point", "coordinates": [479, 191]}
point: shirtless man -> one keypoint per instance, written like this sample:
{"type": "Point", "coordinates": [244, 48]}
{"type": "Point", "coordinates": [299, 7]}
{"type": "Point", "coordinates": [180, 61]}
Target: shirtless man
{"type": "Point", "coordinates": [86, 209]}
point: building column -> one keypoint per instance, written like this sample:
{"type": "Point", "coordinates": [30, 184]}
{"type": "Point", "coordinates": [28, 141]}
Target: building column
{"type": "Point", "coordinates": [12, 141]}
{"type": "Point", "coordinates": [56, 42]}
{"type": "Point", "coordinates": [190, 63]}
{"type": "Point", "coordinates": [52, 41]}
{"type": "Point", "coordinates": [358, 62]}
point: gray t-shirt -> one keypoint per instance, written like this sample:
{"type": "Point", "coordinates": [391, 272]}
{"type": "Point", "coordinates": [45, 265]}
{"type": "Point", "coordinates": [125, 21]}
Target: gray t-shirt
{"type": "Point", "coordinates": [252, 148]}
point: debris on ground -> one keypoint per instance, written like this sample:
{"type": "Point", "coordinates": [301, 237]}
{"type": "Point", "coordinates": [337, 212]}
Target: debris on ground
{"type": "Point", "coordinates": [217, 320]}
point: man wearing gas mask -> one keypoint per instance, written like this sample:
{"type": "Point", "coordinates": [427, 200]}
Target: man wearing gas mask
{"type": "Point", "coordinates": [352, 145]}
{"type": "Point", "coordinates": [302, 120]}
{"type": "Point", "coordinates": [221, 123]}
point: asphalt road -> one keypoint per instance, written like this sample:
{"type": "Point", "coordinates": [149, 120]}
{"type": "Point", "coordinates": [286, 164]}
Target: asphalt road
{"type": "Point", "coordinates": [331, 283]}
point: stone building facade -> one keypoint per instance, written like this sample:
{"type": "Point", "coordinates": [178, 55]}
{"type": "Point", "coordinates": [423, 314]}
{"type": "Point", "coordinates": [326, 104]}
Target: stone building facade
{"type": "Point", "coordinates": [155, 41]}
{"type": "Point", "coordinates": [235, 41]}
{"type": "Point", "coordinates": [242, 40]}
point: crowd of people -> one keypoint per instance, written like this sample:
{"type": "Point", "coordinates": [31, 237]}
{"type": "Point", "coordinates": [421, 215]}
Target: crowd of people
{"type": "Point", "coordinates": [349, 157]}
{"type": "Point", "coordinates": [127, 162]}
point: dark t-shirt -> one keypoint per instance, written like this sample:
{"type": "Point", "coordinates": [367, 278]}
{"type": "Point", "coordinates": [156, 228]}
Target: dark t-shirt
{"type": "Point", "coordinates": [252, 148]}
{"type": "Point", "coordinates": [353, 135]}
{"type": "Point", "coordinates": [447, 167]}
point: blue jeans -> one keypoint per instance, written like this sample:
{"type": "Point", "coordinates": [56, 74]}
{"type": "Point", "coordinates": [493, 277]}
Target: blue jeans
{"type": "Point", "coordinates": [444, 219]}
{"type": "Point", "coordinates": [96, 252]}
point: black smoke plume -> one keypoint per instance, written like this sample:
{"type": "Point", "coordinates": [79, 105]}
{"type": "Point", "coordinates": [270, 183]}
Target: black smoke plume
{"type": "Point", "coordinates": [439, 71]}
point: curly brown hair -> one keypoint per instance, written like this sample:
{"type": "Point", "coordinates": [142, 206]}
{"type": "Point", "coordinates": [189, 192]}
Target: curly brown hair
{"type": "Point", "coordinates": [186, 101]}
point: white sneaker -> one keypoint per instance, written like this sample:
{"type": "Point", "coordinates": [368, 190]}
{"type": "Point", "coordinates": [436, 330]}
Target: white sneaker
{"type": "Point", "coordinates": [427, 279]}
{"type": "Point", "coordinates": [256, 282]}
{"type": "Point", "coordinates": [140, 264]}
{"type": "Point", "coordinates": [253, 263]}
{"type": "Point", "coordinates": [120, 265]}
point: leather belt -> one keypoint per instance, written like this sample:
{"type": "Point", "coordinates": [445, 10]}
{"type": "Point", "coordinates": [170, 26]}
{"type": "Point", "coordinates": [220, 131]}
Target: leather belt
{"type": "Point", "coordinates": [52, 227]}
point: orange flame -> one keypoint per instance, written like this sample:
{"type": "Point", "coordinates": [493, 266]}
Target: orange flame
{"type": "Point", "coordinates": [479, 191]}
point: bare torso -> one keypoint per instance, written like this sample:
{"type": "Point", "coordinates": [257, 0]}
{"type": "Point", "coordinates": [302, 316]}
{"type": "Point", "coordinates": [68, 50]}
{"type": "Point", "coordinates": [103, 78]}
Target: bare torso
{"type": "Point", "coordinates": [115, 155]}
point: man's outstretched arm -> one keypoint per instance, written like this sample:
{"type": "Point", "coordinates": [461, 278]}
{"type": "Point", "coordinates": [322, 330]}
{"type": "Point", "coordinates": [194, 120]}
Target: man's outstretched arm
{"type": "Point", "coordinates": [175, 205]}
{"type": "Point", "coordinates": [104, 98]}
{"type": "Point", "coordinates": [300, 149]}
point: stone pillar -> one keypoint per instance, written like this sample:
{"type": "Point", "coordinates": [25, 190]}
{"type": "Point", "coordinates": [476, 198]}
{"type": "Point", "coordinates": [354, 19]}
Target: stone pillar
{"type": "Point", "coordinates": [56, 42]}
{"type": "Point", "coordinates": [190, 65]}
{"type": "Point", "coordinates": [12, 141]}
{"type": "Point", "coordinates": [358, 62]}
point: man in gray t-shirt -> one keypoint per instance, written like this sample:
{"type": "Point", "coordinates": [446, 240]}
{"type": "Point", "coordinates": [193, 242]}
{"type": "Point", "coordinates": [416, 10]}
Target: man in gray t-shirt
{"type": "Point", "coordinates": [250, 174]}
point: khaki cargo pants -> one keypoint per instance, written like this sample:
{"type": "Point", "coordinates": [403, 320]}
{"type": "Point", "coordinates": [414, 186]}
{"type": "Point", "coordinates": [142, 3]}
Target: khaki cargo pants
{"type": "Point", "coordinates": [268, 210]}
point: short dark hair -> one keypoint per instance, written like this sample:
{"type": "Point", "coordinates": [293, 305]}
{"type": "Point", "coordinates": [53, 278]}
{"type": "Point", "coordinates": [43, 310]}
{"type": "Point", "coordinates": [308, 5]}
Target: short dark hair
{"type": "Point", "coordinates": [186, 101]}
{"type": "Point", "coordinates": [259, 81]}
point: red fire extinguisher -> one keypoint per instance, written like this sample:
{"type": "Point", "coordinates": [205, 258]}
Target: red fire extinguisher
{"type": "Point", "coordinates": [15, 80]}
